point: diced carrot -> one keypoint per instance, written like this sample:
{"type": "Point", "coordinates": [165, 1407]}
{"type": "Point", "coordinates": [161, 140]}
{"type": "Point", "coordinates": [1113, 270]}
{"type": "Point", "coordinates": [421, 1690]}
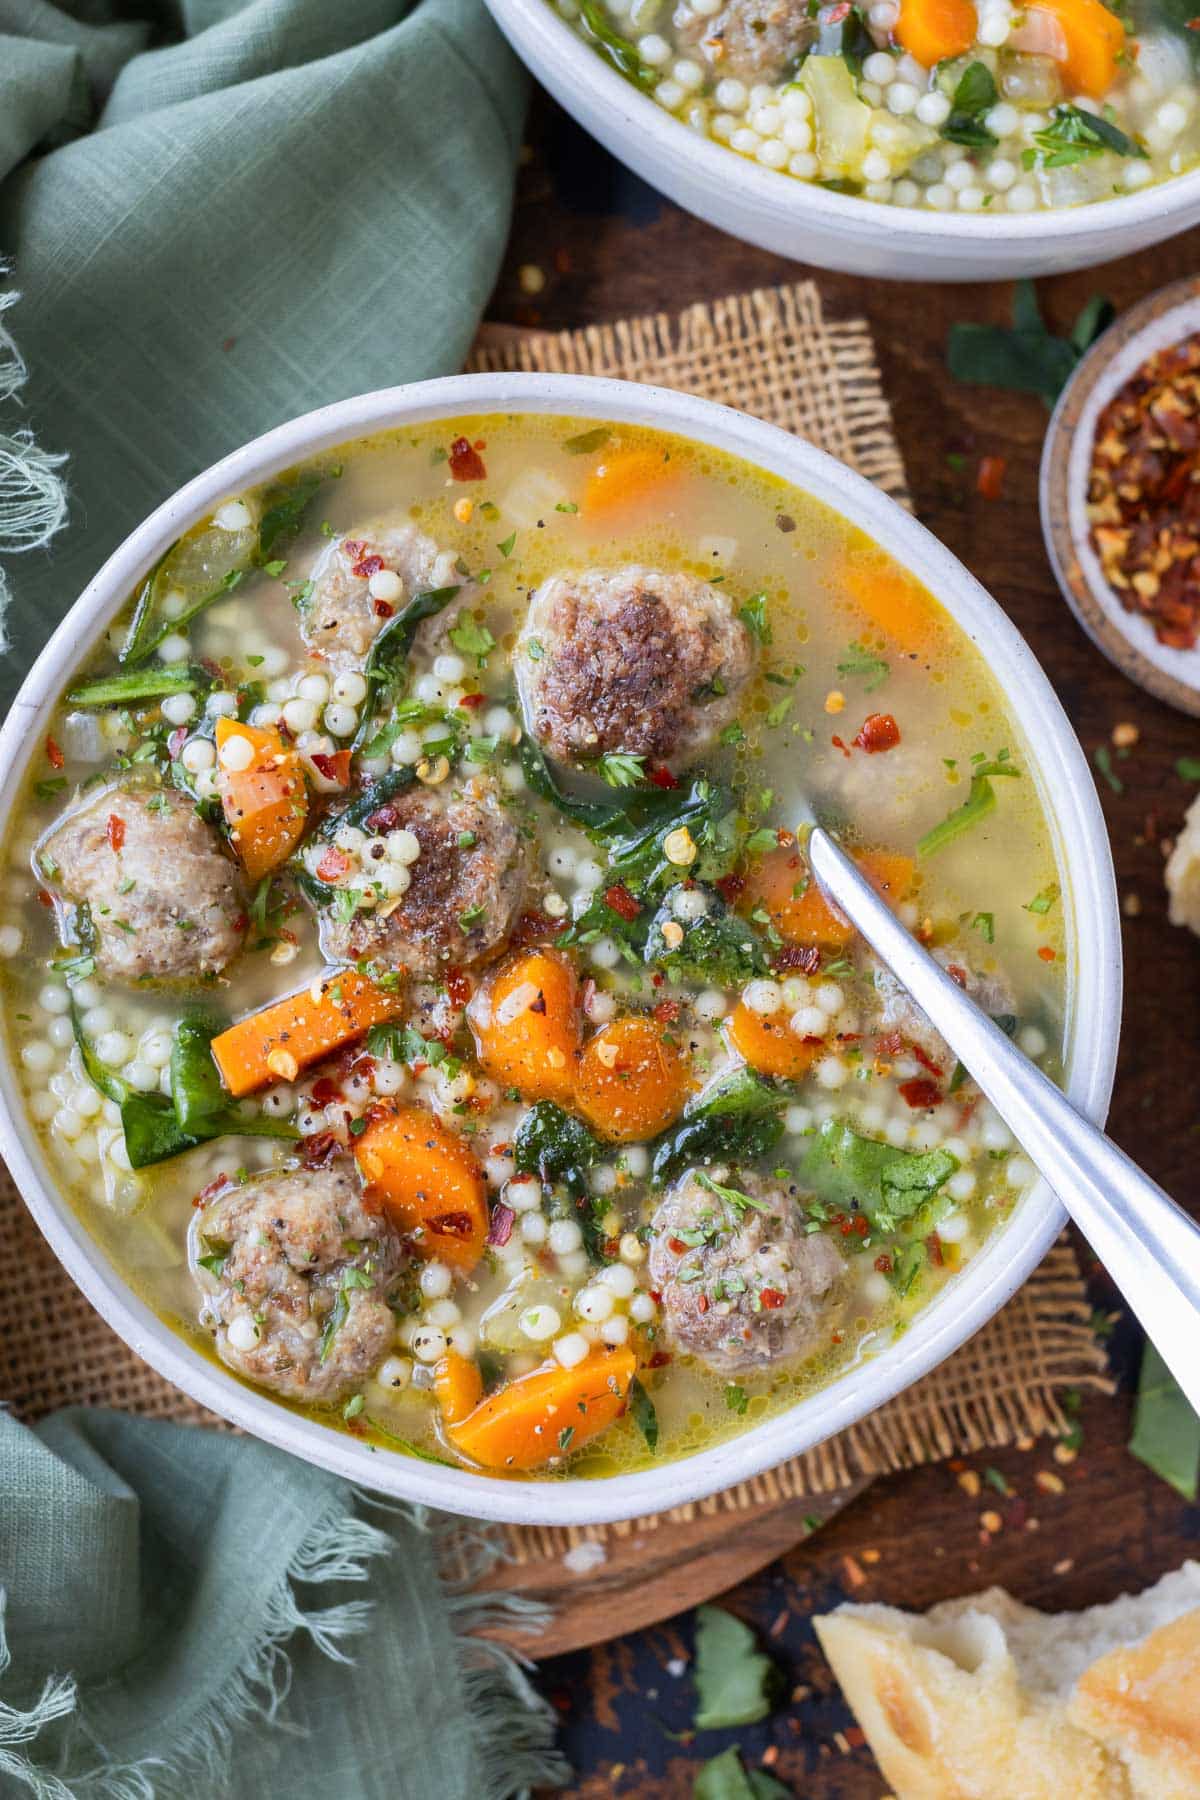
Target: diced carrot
{"type": "Point", "coordinates": [632, 1080]}
{"type": "Point", "coordinates": [266, 804]}
{"type": "Point", "coordinates": [457, 1386]}
{"type": "Point", "coordinates": [276, 1043]}
{"type": "Point", "coordinates": [933, 29]}
{"type": "Point", "coordinates": [547, 1413]}
{"type": "Point", "coordinates": [770, 1045]}
{"type": "Point", "coordinates": [780, 884]}
{"type": "Point", "coordinates": [624, 479]}
{"type": "Point", "coordinates": [891, 599]}
{"type": "Point", "coordinates": [1095, 39]}
{"type": "Point", "coordinates": [423, 1176]}
{"type": "Point", "coordinates": [526, 1022]}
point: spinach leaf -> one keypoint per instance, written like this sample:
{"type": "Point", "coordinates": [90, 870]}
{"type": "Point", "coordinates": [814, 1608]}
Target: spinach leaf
{"type": "Point", "coordinates": [728, 1136]}
{"type": "Point", "coordinates": [142, 684]}
{"type": "Point", "coordinates": [641, 1408]}
{"type": "Point", "coordinates": [1028, 358]}
{"type": "Point", "coordinates": [708, 812]}
{"type": "Point", "coordinates": [145, 635]}
{"type": "Point", "coordinates": [551, 1144]}
{"type": "Point", "coordinates": [389, 653]}
{"type": "Point", "coordinates": [735, 1683]}
{"type": "Point", "coordinates": [974, 95]}
{"type": "Point", "coordinates": [887, 1184]}
{"type": "Point", "coordinates": [284, 513]}
{"type": "Point", "coordinates": [593, 815]}
{"type": "Point", "coordinates": [739, 1092]}
{"type": "Point", "coordinates": [980, 801]}
{"type": "Point", "coordinates": [721, 947]}
{"type": "Point", "coordinates": [725, 1778]}
{"type": "Point", "coordinates": [621, 53]}
{"type": "Point", "coordinates": [396, 781]}
{"type": "Point", "coordinates": [1166, 1432]}
{"type": "Point", "coordinates": [196, 1091]}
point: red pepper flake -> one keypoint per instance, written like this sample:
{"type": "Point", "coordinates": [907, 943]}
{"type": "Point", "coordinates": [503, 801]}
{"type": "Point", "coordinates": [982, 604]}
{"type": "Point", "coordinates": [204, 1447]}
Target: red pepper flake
{"type": "Point", "coordinates": [837, 13]}
{"type": "Point", "coordinates": [1046, 953]}
{"type": "Point", "coordinates": [452, 1224]}
{"type": "Point", "coordinates": [354, 548]}
{"type": "Point", "coordinates": [383, 609]}
{"type": "Point", "coordinates": [115, 831]}
{"type": "Point", "coordinates": [176, 741]}
{"type": "Point", "coordinates": [466, 464]}
{"type": "Point", "coordinates": [989, 482]}
{"type": "Point", "coordinates": [921, 1094]}
{"type": "Point", "coordinates": [805, 957]}
{"type": "Point", "coordinates": [730, 887]}
{"type": "Point", "coordinates": [334, 864]}
{"type": "Point", "coordinates": [891, 1045]}
{"type": "Point", "coordinates": [772, 1299]}
{"type": "Point", "coordinates": [619, 900]}
{"type": "Point", "coordinates": [333, 765]}
{"type": "Point", "coordinates": [472, 700]}
{"type": "Point", "coordinates": [958, 975]}
{"type": "Point", "coordinates": [879, 732]}
{"type": "Point", "coordinates": [926, 1062]}
{"type": "Point", "coordinates": [319, 1149]}
{"type": "Point", "coordinates": [701, 1303]}
{"type": "Point", "coordinates": [655, 1296]}
{"type": "Point", "coordinates": [661, 777]}
{"type": "Point", "coordinates": [862, 1226]}
{"type": "Point", "coordinates": [54, 755]}
{"type": "Point", "coordinates": [855, 1736]}
{"type": "Point", "coordinates": [366, 566]}
{"type": "Point", "coordinates": [503, 1220]}
{"type": "Point", "coordinates": [839, 745]}
{"type": "Point", "coordinates": [676, 1246]}
{"type": "Point", "coordinates": [666, 1012]}
{"type": "Point", "coordinates": [933, 1244]}
{"type": "Point", "coordinates": [458, 986]}
{"type": "Point", "coordinates": [211, 1188]}
{"type": "Point", "coordinates": [324, 1090]}
{"type": "Point", "coordinates": [883, 1263]}
{"type": "Point", "coordinates": [535, 928]}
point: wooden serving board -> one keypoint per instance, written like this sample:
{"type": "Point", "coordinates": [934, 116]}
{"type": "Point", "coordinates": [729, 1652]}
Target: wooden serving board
{"type": "Point", "coordinates": [654, 1573]}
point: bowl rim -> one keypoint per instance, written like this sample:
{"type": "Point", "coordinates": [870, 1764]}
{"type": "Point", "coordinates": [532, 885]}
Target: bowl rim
{"type": "Point", "coordinates": [579, 68]}
{"type": "Point", "coordinates": [1081, 843]}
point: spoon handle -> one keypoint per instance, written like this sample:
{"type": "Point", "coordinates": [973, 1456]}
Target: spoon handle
{"type": "Point", "coordinates": [1148, 1244]}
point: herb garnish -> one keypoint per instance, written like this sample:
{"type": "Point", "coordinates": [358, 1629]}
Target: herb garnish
{"type": "Point", "coordinates": [1073, 135]}
{"type": "Point", "coordinates": [1026, 358]}
{"type": "Point", "coordinates": [974, 95]}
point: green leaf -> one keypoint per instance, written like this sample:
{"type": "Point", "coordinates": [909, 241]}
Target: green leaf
{"type": "Point", "coordinates": [196, 1091]}
{"type": "Point", "coordinates": [1074, 134]}
{"type": "Point", "coordinates": [594, 815]}
{"type": "Point", "coordinates": [142, 684]}
{"type": "Point", "coordinates": [735, 1682]}
{"type": "Point", "coordinates": [887, 1184]}
{"type": "Point", "coordinates": [1102, 757]}
{"type": "Point", "coordinates": [551, 1144]}
{"type": "Point", "coordinates": [1041, 903]}
{"type": "Point", "coordinates": [587, 441]}
{"type": "Point", "coordinates": [472, 638]}
{"type": "Point", "coordinates": [620, 769]}
{"type": "Point", "coordinates": [974, 95]}
{"type": "Point", "coordinates": [1028, 358]}
{"type": "Point", "coordinates": [725, 1778]}
{"type": "Point", "coordinates": [754, 617]}
{"type": "Point", "coordinates": [721, 947]}
{"type": "Point", "coordinates": [389, 652]}
{"type": "Point", "coordinates": [1188, 768]}
{"type": "Point", "coordinates": [728, 1137]}
{"type": "Point", "coordinates": [860, 661]}
{"type": "Point", "coordinates": [980, 801]}
{"type": "Point", "coordinates": [1166, 1432]}
{"type": "Point", "coordinates": [641, 1408]}
{"type": "Point", "coordinates": [739, 1092]}
{"type": "Point", "coordinates": [284, 513]}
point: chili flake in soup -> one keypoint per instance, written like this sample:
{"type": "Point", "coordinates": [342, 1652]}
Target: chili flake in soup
{"type": "Point", "coordinates": [415, 971]}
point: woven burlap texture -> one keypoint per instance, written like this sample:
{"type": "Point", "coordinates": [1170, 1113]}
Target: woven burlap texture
{"type": "Point", "coordinates": [772, 353]}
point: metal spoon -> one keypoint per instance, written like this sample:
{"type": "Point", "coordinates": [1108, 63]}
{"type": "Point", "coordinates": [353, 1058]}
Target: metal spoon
{"type": "Point", "coordinates": [1148, 1244]}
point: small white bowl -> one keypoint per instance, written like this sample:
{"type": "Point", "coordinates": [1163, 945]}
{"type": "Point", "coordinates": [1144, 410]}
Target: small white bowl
{"type": "Point", "coordinates": [1055, 762]}
{"type": "Point", "coordinates": [811, 223]}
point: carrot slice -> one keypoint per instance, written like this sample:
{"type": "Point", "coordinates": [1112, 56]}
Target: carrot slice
{"type": "Point", "coordinates": [457, 1386]}
{"type": "Point", "coordinates": [422, 1175]}
{"type": "Point", "coordinates": [932, 29]}
{"type": "Point", "coordinates": [780, 884]}
{"type": "Point", "coordinates": [266, 803]}
{"type": "Point", "coordinates": [526, 1022]}
{"type": "Point", "coordinates": [632, 1081]}
{"type": "Point", "coordinates": [624, 479]}
{"type": "Point", "coordinates": [546, 1413]}
{"type": "Point", "coordinates": [900, 607]}
{"type": "Point", "coordinates": [276, 1043]}
{"type": "Point", "coordinates": [1095, 39]}
{"type": "Point", "coordinates": [770, 1045]}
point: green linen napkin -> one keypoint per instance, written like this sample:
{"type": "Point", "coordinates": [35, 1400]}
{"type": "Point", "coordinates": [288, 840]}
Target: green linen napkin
{"type": "Point", "coordinates": [221, 213]}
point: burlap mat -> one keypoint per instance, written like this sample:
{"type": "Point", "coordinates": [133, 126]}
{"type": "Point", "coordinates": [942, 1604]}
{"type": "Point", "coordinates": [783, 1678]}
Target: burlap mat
{"type": "Point", "coordinates": [772, 353]}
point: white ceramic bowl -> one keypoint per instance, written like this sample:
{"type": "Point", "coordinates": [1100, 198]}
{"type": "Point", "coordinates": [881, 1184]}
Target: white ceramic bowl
{"type": "Point", "coordinates": [1064, 782]}
{"type": "Point", "coordinates": [813, 224]}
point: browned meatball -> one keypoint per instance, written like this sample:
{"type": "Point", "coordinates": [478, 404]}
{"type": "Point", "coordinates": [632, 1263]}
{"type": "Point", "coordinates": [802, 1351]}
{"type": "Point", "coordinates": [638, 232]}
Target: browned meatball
{"type": "Point", "coordinates": [465, 889]}
{"type": "Point", "coordinates": [340, 619]}
{"type": "Point", "coordinates": [752, 40]}
{"type": "Point", "coordinates": [294, 1279]}
{"type": "Point", "coordinates": [742, 1285]}
{"type": "Point", "coordinates": [898, 1011]}
{"type": "Point", "coordinates": [631, 659]}
{"type": "Point", "coordinates": [165, 901]}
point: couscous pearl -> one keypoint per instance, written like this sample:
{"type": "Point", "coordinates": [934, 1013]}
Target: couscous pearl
{"type": "Point", "coordinates": [875, 166]}
{"type": "Point", "coordinates": [436, 1280]}
{"type": "Point", "coordinates": [513, 777]}
{"type": "Point", "coordinates": [449, 668]}
{"type": "Point", "coordinates": [766, 119]}
{"type": "Point", "coordinates": [688, 74]}
{"type": "Point", "coordinates": [771, 154]}
{"type": "Point", "coordinates": [497, 1169]}
{"type": "Point", "coordinates": [10, 940]}
{"type": "Point", "coordinates": [809, 1021]}
{"type": "Point", "coordinates": [925, 1136]}
{"type": "Point", "coordinates": [637, 1161]}
{"type": "Point", "coordinates": [1171, 118]}
{"type": "Point", "coordinates": [999, 174]}
{"type": "Point", "coordinates": [588, 873]}
{"type": "Point", "coordinates": [961, 1186]}
{"type": "Point", "coordinates": [723, 125]}
{"type": "Point", "coordinates": [763, 997]}
{"type": "Point", "coordinates": [406, 749]}
{"type": "Point", "coordinates": [994, 30]}
{"type": "Point", "coordinates": [274, 661]}
{"type": "Point", "coordinates": [896, 1132]}
{"type": "Point", "coordinates": [564, 1236]}
{"type": "Point", "coordinates": [113, 1047]}
{"type": "Point", "coordinates": [669, 95]}
{"type": "Point", "coordinates": [954, 1228]}
{"type": "Point", "coordinates": [939, 197]}
{"type": "Point", "coordinates": [236, 753]}
{"type": "Point", "coordinates": [932, 109]}
{"type": "Point", "coordinates": [829, 997]}
{"type": "Point", "coordinates": [803, 165]}
{"type": "Point", "coordinates": [710, 1004]}
{"type": "Point", "coordinates": [60, 1033]}
{"type": "Point", "coordinates": [462, 1340]}
{"type": "Point", "coordinates": [177, 709]}
{"type": "Point", "coordinates": [54, 998]}
{"type": "Point", "coordinates": [533, 1229]}
{"type": "Point", "coordinates": [234, 515]}
{"type": "Point", "coordinates": [614, 1330]}
{"type": "Point", "coordinates": [1137, 175]}
{"type": "Point", "coordinates": [605, 953]}
{"type": "Point", "coordinates": [242, 1333]}
{"type": "Point", "coordinates": [540, 1323]}
{"type": "Point", "coordinates": [97, 1018]}
{"type": "Point", "coordinates": [524, 1194]}
{"type": "Point", "coordinates": [797, 1119]}
{"type": "Point", "coordinates": [429, 1342]}
{"type": "Point", "coordinates": [902, 97]}
{"type": "Point", "coordinates": [394, 1372]}
{"type": "Point", "coordinates": [389, 1076]}
{"type": "Point", "coordinates": [198, 754]}
{"type": "Point", "coordinates": [1019, 1172]}
{"type": "Point", "coordinates": [403, 846]}
{"type": "Point", "coordinates": [385, 584]}
{"type": "Point", "coordinates": [444, 1313]}
{"type": "Point", "coordinates": [604, 1179]}
{"type": "Point", "coordinates": [619, 1279]}
{"type": "Point", "coordinates": [906, 193]}
{"type": "Point", "coordinates": [1022, 198]}
{"type": "Point", "coordinates": [960, 175]}
{"type": "Point", "coordinates": [571, 1349]}
{"type": "Point", "coordinates": [745, 140]}
{"type": "Point", "coordinates": [266, 715]}
{"type": "Point", "coordinates": [561, 861]}
{"type": "Point", "coordinates": [68, 1123]}
{"type": "Point", "coordinates": [340, 720]}
{"type": "Point", "coordinates": [278, 1102]}
{"type": "Point", "coordinates": [1002, 120]}
{"type": "Point", "coordinates": [994, 1134]}
{"type": "Point", "coordinates": [654, 50]}
{"type": "Point", "coordinates": [43, 1107]}
{"type": "Point", "coordinates": [141, 1075]}
{"type": "Point", "coordinates": [970, 199]}
{"type": "Point", "coordinates": [351, 689]}
{"type": "Point", "coordinates": [1032, 1041]}
{"type": "Point", "coordinates": [797, 134]}
{"type": "Point", "coordinates": [594, 1303]}
{"type": "Point", "coordinates": [87, 1102]}
{"type": "Point", "coordinates": [632, 1250]}
{"type": "Point", "coordinates": [830, 1073]}
{"type": "Point", "coordinates": [731, 95]}
{"type": "Point", "coordinates": [313, 687]}
{"type": "Point", "coordinates": [879, 67]}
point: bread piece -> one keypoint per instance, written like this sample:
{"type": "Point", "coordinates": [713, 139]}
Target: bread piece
{"type": "Point", "coordinates": [974, 1700]}
{"type": "Point", "coordinates": [1182, 873]}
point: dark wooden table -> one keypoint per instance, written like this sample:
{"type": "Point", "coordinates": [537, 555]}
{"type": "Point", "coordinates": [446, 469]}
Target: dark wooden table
{"type": "Point", "coordinates": [608, 246]}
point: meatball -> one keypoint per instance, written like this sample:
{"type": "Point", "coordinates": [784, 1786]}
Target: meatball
{"type": "Point", "coordinates": [898, 1011]}
{"type": "Point", "coordinates": [341, 618]}
{"type": "Point", "coordinates": [164, 900]}
{"type": "Point", "coordinates": [741, 1287]}
{"type": "Point", "coordinates": [465, 889]}
{"type": "Point", "coordinates": [295, 1280]}
{"type": "Point", "coordinates": [631, 659]}
{"type": "Point", "coordinates": [751, 40]}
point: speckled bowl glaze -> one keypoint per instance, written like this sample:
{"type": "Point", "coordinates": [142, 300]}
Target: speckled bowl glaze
{"type": "Point", "coordinates": [1056, 764]}
{"type": "Point", "coordinates": [811, 223]}
{"type": "Point", "coordinates": [1127, 639]}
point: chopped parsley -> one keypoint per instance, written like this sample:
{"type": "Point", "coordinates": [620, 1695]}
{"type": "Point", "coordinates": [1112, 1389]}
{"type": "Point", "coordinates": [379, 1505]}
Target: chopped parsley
{"type": "Point", "coordinates": [858, 660]}
{"type": "Point", "coordinates": [621, 769]}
